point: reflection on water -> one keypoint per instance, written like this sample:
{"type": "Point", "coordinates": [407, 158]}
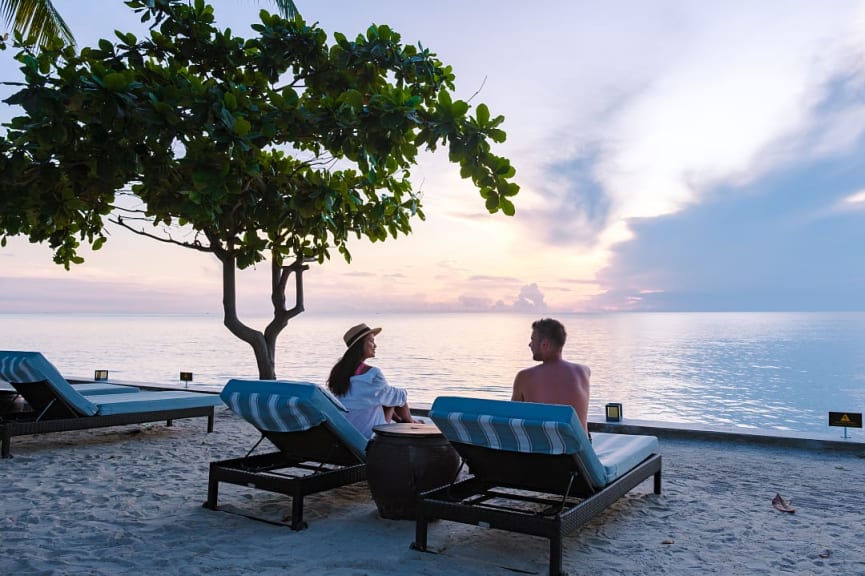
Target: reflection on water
{"type": "Point", "coordinates": [781, 371]}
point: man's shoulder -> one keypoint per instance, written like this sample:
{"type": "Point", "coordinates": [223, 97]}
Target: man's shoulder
{"type": "Point", "coordinates": [582, 369]}
{"type": "Point", "coordinates": [528, 372]}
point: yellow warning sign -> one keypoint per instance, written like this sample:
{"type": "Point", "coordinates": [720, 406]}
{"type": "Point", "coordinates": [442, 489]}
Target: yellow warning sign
{"type": "Point", "coordinates": [846, 419]}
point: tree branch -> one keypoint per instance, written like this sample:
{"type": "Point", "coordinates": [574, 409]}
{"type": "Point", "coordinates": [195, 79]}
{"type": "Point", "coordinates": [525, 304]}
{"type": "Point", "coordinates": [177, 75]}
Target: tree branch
{"type": "Point", "coordinates": [167, 240]}
{"type": "Point", "coordinates": [478, 91]}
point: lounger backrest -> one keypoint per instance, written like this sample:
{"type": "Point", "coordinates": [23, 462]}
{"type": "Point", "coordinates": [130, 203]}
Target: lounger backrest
{"type": "Point", "coordinates": [16, 366]}
{"type": "Point", "coordinates": [517, 427]}
{"type": "Point", "coordinates": [282, 406]}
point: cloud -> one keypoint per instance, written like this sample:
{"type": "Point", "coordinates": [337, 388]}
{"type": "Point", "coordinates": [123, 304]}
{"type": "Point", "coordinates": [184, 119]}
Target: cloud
{"type": "Point", "coordinates": [853, 202]}
{"type": "Point", "coordinates": [531, 298]}
{"type": "Point", "coordinates": [746, 81]}
{"type": "Point", "coordinates": [48, 295]}
{"type": "Point", "coordinates": [573, 208]}
{"type": "Point", "coordinates": [493, 279]}
{"type": "Point", "coordinates": [674, 177]}
{"type": "Point", "coordinates": [474, 303]}
{"type": "Point", "coordinates": [775, 244]}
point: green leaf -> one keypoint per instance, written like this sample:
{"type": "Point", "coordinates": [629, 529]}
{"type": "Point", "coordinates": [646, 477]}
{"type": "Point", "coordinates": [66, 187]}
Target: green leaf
{"type": "Point", "coordinates": [497, 135]}
{"type": "Point", "coordinates": [352, 97]}
{"type": "Point", "coordinates": [115, 81]}
{"type": "Point", "coordinates": [483, 114]}
{"type": "Point", "coordinates": [492, 202]}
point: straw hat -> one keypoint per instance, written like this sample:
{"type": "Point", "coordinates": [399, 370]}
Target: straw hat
{"type": "Point", "coordinates": [357, 333]}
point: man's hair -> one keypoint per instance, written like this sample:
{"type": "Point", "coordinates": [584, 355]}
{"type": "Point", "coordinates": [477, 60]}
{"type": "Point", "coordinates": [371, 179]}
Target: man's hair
{"type": "Point", "coordinates": [552, 330]}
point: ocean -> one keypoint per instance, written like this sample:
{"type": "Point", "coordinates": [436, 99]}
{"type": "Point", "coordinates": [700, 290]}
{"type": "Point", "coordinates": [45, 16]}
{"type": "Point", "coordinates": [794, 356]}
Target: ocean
{"type": "Point", "coordinates": [766, 371]}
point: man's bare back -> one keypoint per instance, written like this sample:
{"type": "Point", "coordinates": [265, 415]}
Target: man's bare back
{"type": "Point", "coordinates": [554, 381]}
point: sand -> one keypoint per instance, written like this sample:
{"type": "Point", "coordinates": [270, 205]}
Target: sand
{"type": "Point", "coordinates": [129, 500]}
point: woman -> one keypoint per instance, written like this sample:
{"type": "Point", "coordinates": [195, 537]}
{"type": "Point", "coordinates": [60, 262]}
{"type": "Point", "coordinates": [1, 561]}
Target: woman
{"type": "Point", "coordinates": [362, 388]}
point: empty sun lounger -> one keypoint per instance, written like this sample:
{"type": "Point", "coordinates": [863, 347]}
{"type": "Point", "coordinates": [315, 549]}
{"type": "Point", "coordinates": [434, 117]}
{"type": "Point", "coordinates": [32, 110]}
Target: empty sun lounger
{"type": "Point", "coordinates": [318, 449]}
{"type": "Point", "coordinates": [57, 406]}
{"type": "Point", "coordinates": [533, 470]}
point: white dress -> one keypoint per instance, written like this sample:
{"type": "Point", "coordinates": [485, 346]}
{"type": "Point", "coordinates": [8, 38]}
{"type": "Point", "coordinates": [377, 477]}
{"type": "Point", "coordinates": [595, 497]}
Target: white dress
{"type": "Point", "coordinates": [366, 396]}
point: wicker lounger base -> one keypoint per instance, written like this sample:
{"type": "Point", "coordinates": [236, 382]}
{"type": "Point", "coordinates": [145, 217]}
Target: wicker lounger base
{"type": "Point", "coordinates": [468, 502]}
{"type": "Point", "coordinates": [283, 474]}
{"type": "Point", "coordinates": [25, 427]}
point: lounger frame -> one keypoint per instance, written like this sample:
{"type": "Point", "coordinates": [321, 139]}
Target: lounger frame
{"type": "Point", "coordinates": [51, 414]}
{"type": "Point", "coordinates": [498, 475]}
{"type": "Point", "coordinates": [322, 463]}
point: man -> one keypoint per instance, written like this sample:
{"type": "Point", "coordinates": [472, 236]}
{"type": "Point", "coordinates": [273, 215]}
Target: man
{"type": "Point", "coordinates": [554, 381]}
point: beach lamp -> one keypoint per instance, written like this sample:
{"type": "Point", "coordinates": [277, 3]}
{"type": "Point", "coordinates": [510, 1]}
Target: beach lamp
{"type": "Point", "coordinates": [614, 412]}
{"type": "Point", "coordinates": [99, 375]}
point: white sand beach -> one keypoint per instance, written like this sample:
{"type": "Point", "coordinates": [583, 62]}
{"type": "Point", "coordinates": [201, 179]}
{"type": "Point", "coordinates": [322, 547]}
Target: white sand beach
{"type": "Point", "coordinates": [129, 500]}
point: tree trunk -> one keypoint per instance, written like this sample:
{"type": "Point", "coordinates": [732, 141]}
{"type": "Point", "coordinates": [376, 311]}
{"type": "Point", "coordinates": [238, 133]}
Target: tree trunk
{"type": "Point", "coordinates": [263, 344]}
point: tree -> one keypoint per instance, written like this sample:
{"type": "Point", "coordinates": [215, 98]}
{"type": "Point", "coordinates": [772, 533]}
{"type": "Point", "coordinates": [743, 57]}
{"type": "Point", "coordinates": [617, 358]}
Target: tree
{"type": "Point", "coordinates": [278, 146]}
{"type": "Point", "coordinates": [36, 20]}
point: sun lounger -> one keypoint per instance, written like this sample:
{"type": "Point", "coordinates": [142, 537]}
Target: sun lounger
{"type": "Point", "coordinates": [58, 407]}
{"type": "Point", "coordinates": [532, 470]}
{"type": "Point", "coordinates": [318, 449]}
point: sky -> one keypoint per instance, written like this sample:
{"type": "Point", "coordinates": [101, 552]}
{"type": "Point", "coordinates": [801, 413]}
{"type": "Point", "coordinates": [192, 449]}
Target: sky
{"type": "Point", "coordinates": [672, 156]}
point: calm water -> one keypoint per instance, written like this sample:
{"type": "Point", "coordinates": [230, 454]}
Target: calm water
{"type": "Point", "coordinates": [782, 371]}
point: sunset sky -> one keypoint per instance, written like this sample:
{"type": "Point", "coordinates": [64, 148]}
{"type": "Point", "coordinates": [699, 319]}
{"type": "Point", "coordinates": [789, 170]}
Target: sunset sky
{"type": "Point", "coordinates": [671, 155]}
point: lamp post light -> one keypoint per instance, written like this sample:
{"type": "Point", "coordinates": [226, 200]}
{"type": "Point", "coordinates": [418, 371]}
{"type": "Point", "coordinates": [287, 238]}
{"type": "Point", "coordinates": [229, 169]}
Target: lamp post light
{"type": "Point", "coordinates": [614, 412]}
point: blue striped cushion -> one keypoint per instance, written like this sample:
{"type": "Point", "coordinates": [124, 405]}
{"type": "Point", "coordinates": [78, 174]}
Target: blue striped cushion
{"type": "Point", "coordinates": [17, 366]}
{"type": "Point", "coordinates": [518, 427]}
{"type": "Point", "coordinates": [513, 434]}
{"type": "Point", "coordinates": [281, 406]}
{"type": "Point", "coordinates": [274, 412]}
{"type": "Point", "coordinates": [513, 426]}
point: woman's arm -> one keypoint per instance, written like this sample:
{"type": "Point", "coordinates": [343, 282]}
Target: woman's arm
{"type": "Point", "coordinates": [392, 397]}
{"type": "Point", "coordinates": [402, 413]}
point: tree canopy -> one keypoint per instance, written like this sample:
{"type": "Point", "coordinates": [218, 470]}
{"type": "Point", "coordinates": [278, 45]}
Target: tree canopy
{"type": "Point", "coordinates": [281, 146]}
{"type": "Point", "coordinates": [40, 23]}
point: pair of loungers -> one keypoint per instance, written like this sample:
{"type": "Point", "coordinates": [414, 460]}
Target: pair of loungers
{"type": "Point", "coordinates": [531, 467]}
{"type": "Point", "coordinates": [58, 406]}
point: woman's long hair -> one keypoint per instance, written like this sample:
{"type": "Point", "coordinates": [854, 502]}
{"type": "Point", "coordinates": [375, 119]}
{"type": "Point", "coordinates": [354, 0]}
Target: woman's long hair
{"type": "Point", "coordinates": [339, 380]}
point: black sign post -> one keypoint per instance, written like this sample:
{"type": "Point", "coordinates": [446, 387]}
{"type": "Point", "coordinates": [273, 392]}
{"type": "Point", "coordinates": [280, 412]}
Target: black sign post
{"type": "Point", "coordinates": [845, 419]}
